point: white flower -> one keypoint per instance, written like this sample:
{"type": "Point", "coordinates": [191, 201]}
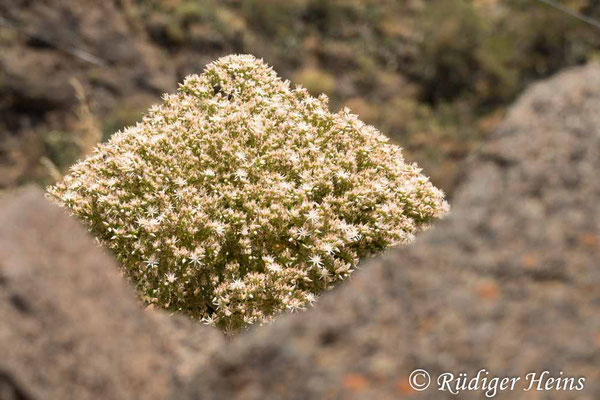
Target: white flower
{"type": "Point", "coordinates": [195, 259]}
{"type": "Point", "coordinates": [181, 193]}
{"type": "Point", "coordinates": [271, 265]}
{"type": "Point", "coordinates": [237, 284]}
{"type": "Point", "coordinates": [151, 261]}
{"type": "Point", "coordinates": [218, 227]}
{"type": "Point", "coordinates": [170, 277]}
{"type": "Point", "coordinates": [343, 175]}
{"type": "Point", "coordinates": [329, 248]}
{"type": "Point", "coordinates": [295, 304]}
{"type": "Point", "coordinates": [301, 233]}
{"type": "Point", "coordinates": [324, 274]}
{"type": "Point", "coordinates": [312, 216]}
{"type": "Point", "coordinates": [241, 175]}
{"type": "Point", "coordinates": [151, 211]}
{"type": "Point", "coordinates": [316, 260]}
{"type": "Point", "coordinates": [180, 182]}
{"type": "Point", "coordinates": [352, 234]}
{"type": "Point", "coordinates": [69, 196]}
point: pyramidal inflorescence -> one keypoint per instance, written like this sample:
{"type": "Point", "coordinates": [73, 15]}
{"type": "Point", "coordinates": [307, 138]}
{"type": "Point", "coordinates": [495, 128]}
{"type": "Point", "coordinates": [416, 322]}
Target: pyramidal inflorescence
{"type": "Point", "coordinates": [240, 197]}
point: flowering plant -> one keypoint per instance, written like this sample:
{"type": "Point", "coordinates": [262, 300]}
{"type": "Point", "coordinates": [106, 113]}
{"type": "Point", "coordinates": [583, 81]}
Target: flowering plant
{"type": "Point", "coordinates": [241, 197]}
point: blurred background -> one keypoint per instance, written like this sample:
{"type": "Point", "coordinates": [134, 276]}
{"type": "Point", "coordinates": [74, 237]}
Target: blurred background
{"type": "Point", "coordinates": [434, 75]}
{"type": "Point", "coordinates": [509, 281]}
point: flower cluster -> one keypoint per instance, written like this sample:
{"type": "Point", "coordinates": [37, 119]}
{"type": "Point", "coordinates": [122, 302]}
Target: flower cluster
{"type": "Point", "coordinates": [240, 196]}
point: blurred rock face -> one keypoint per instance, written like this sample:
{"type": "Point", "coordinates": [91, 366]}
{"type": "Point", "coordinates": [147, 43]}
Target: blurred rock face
{"type": "Point", "coordinates": [508, 283]}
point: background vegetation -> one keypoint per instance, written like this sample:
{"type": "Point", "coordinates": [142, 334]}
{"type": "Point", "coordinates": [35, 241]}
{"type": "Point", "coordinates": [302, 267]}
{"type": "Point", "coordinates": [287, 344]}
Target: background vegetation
{"type": "Point", "coordinates": [435, 75]}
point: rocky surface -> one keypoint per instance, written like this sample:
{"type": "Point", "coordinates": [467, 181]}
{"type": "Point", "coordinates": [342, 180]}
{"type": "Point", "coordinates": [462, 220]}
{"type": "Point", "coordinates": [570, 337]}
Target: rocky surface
{"type": "Point", "coordinates": [95, 43]}
{"type": "Point", "coordinates": [70, 327]}
{"type": "Point", "coordinates": [509, 282]}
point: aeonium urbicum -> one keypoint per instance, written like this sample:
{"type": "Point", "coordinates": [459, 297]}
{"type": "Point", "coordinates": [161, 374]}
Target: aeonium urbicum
{"type": "Point", "coordinates": [240, 196]}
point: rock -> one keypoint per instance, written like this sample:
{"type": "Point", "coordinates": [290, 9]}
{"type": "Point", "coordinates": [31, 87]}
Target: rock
{"type": "Point", "coordinates": [78, 40]}
{"type": "Point", "coordinates": [190, 343]}
{"type": "Point", "coordinates": [71, 328]}
{"type": "Point", "coordinates": [509, 282]}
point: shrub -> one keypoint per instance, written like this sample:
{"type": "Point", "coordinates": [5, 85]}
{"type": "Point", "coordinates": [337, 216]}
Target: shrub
{"type": "Point", "coordinates": [241, 197]}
